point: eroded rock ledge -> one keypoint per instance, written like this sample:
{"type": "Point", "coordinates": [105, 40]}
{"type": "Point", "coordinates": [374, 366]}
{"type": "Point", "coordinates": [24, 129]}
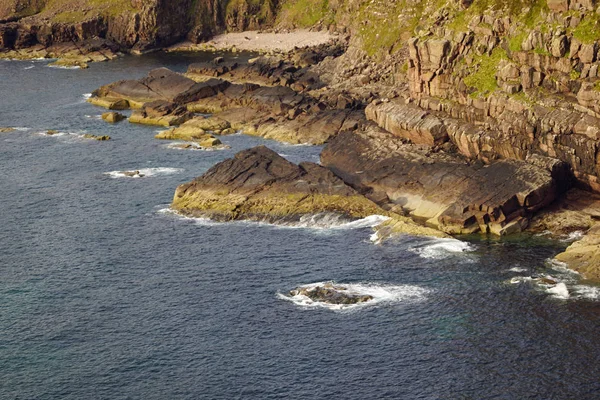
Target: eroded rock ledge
{"type": "Point", "coordinates": [259, 184]}
{"type": "Point", "coordinates": [443, 189]}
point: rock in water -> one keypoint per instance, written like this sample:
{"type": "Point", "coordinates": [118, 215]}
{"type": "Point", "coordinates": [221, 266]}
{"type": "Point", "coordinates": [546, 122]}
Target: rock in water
{"type": "Point", "coordinates": [259, 184]}
{"type": "Point", "coordinates": [331, 294]}
{"type": "Point", "coordinates": [133, 174]}
{"type": "Point", "coordinates": [6, 130]}
{"type": "Point", "coordinates": [113, 117]}
{"type": "Point", "coordinates": [96, 137]}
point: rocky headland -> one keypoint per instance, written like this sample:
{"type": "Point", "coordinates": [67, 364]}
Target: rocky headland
{"type": "Point", "coordinates": [464, 116]}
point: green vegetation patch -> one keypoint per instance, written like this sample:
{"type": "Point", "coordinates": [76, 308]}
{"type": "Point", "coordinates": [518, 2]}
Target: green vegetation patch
{"type": "Point", "coordinates": [483, 75]}
{"type": "Point", "coordinates": [588, 30]}
{"type": "Point", "coordinates": [306, 13]}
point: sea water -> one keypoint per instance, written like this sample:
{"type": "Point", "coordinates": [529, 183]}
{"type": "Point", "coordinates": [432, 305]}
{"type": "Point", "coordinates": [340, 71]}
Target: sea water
{"type": "Point", "coordinates": [107, 294]}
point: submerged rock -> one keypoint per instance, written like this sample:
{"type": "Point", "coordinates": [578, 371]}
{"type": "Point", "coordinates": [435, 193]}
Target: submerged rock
{"type": "Point", "coordinates": [331, 294]}
{"type": "Point", "coordinates": [133, 174]}
{"type": "Point", "coordinates": [96, 137]}
{"type": "Point", "coordinates": [80, 62]}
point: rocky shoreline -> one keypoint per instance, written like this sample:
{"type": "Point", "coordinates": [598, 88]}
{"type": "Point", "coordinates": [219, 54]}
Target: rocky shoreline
{"type": "Point", "coordinates": [467, 123]}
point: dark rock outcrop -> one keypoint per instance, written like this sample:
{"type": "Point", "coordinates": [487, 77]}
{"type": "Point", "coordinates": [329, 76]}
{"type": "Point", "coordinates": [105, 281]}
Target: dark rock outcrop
{"type": "Point", "coordinates": [259, 184]}
{"type": "Point", "coordinates": [331, 294]}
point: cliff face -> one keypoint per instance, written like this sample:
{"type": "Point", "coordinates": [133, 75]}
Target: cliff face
{"type": "Point", "coordinates": [137, 24]}
{"type": "Point", "coordinates": [498, 80]}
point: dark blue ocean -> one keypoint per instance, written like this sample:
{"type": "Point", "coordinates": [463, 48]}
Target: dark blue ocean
{"type": "Point", "coordinates": [104, 294]}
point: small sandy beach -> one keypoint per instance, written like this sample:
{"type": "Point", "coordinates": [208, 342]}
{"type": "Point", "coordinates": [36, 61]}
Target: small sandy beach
{"type": "Point", "coordinates": [258, 41]}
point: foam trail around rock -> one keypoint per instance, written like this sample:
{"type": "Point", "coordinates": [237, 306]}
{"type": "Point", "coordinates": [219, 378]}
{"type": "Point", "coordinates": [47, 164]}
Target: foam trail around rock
{"type": "Point", "coordinates": [323, 222]}
{"type": "Point", "coordinates": [382, 294]}
{"type": "Point", "coordinates": [559, 291]}
{"type": "Point", "coordinates": [144, 172]}
{"type": "Point", "coordinates": [442, 248]}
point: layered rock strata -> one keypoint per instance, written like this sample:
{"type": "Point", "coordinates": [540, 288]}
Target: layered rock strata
{"type": "Point", "coordinates": [258, 184]}
{"type": "Point", "coordinates": [442, 188]}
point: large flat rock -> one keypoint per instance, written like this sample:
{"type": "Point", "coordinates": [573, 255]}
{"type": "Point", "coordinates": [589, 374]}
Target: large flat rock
{"type": "Point", "coordinates": [451, 194]}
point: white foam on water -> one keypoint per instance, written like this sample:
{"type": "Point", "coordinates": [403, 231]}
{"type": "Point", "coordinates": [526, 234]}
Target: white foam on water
{"type": "Point", "coordinates": [62, 67]}
{"type": "Point", "coordinates": [324, 222]}
{"type": "Point", "coordinates": [521, 279]}
{"type": "Point", "coordinates": [382, 294]}
{"type": "Point", "coordinates": [442, 248]}
{"type": "Point", "coordinates": [30, 67]}
{"type": "Point", "coordinates": [585, 292]}
{"type": "Point", "coordinates": [195, 147]}
{"type": "Point", "coordinates": [97, 117]}
{"type": "Point", "coordinates": [563, 269]}
{"type": "Point", "coordinates": [518, 269]}
{"type": "Point", "coordinates": [558, 291]}
{"type": "Point", "coordinates": [58, 134]}
{"type": "Point", "coordinates": [145, 172]}
{"type": "Point", "coordinates": [573, 236]}
{"type": "Point", "coordinates": [86, 95]}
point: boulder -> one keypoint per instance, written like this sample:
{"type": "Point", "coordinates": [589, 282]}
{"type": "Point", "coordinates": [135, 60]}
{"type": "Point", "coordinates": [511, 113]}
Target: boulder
{"type": "Point", "coordinates": [96, 137]}
{"type": "Point", "coordinates": [331, 294]}
{"type": "Point", "coordinates": [110, 103]}
{"type": "Point", "coordinates": [195, 129]}
{"type": "Point", "coordinates": [113, 117]}
{"type": "Point", "coordinates": [160, 113]}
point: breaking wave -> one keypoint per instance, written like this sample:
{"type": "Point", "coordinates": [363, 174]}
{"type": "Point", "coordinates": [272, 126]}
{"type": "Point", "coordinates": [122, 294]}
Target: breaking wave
{"type": "Point", "coordinates": [323, 222]}
{"type": "Point", "coordinates": [381, 294]}
{"type": "Point", "coordinates": [560, 283]}
{"type": "Point", "coordinates": [144, 172]}
{"type": "Point", "coordinates": [441, 248]}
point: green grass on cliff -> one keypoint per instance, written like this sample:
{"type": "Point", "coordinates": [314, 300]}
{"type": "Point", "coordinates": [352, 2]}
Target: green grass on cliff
{"type": "Point", "coordinates": [69, 11]}
{"type": "Point", "coordinates": [588, 30]}
{"type": "Point", "coordinates": [527, 12]}
{"type": "Point", "coordinates": [305, 13]}
{"type": "Point", "coordinates": [483, 72]}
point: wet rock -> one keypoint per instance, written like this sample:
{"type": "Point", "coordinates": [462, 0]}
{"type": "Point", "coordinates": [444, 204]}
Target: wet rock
{"type": "Point", "coordinates": [195, 129]}
{"type": "Point", "coordinates": [6, 130]}
{"type": "Point", "coordinates": [96, 137]}
{"type": "Point", "coordinates": [110, 103]}
{"type": "Point", "coordinates": [81, 63]}
{"type": "Point", "coordinates": [259, 184]}
{"type": "Point", "coordinates": [331, 294]}
{"type": "Point", "coordinates": [584, 255]}
{"type": "Point", "coordinates": [52, 132]}
{"type": "Point", "coordinates": [133, 174]}
{"type": "Point", "coordinates": [160, 113]}
{"type": "Point", "coordinates": [113, 117]}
